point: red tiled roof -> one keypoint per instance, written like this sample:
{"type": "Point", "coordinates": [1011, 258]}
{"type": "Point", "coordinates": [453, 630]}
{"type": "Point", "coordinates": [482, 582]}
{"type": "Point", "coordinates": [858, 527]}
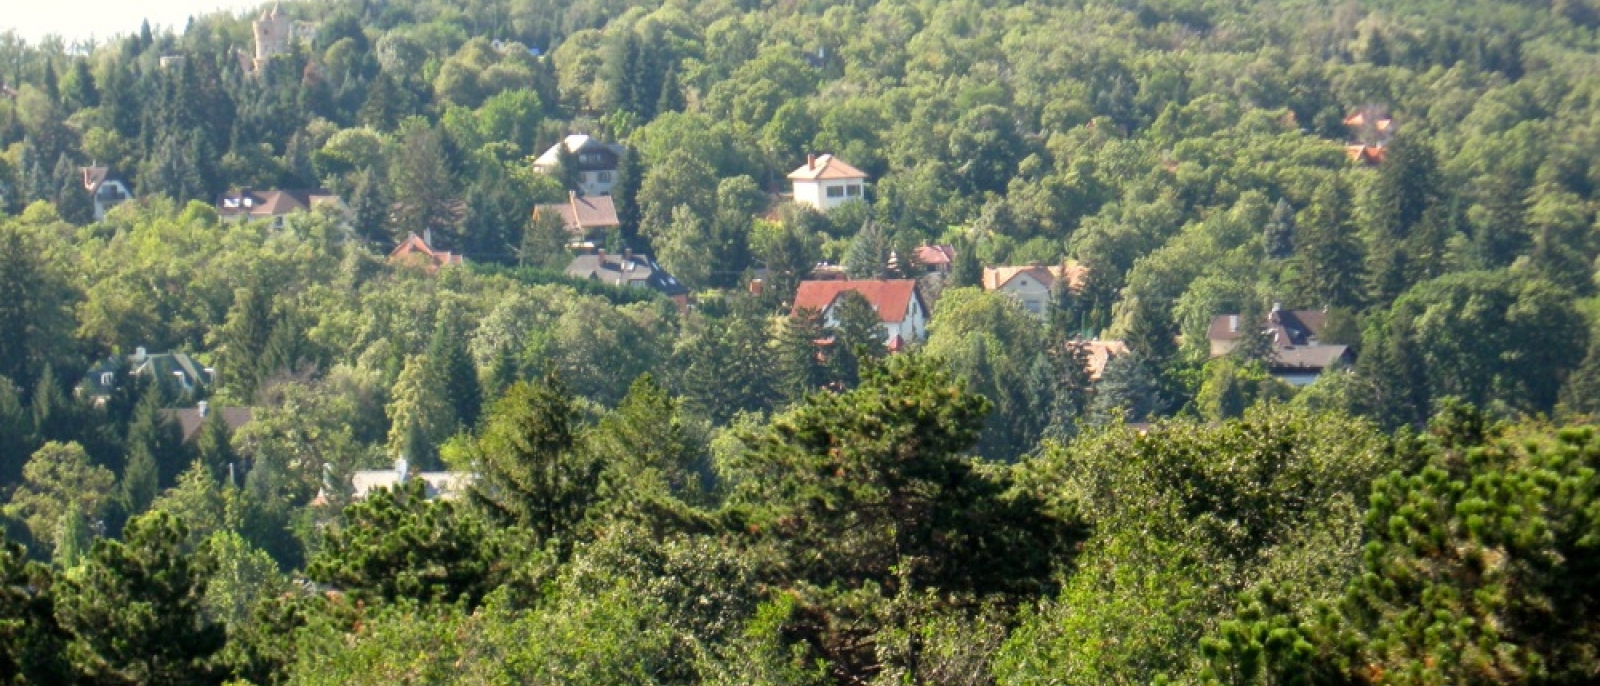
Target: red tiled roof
{"type": "Point", "coordinates": [824, 167]}
{"type": "Point", "coordinates": [415, 248]}
{"type": "Point", "coordinates": [891, 297]}
{"type": "Point", "coordinates": [934, 255]}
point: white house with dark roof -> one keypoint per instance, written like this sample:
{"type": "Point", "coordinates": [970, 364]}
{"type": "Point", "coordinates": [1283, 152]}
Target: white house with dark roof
{"type": "Point", "coordinates": [1299, 355]}
{"type": "Point", "coordinates": [105, 189]}
{"type": "Point", "coordinates": [826, 182]}
{"type": "Point", "coordinates": [597, 163]}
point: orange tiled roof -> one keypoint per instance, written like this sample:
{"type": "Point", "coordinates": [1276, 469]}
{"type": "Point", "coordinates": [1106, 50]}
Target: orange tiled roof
{"type": "Point", "coordinates": [825, 167]}
{"type": "Point", "coordinates": [415, 248]}
{"type": "Point", "coordinates": [996, 277]}
{"type": "Point", "coordinates": [890, 297]}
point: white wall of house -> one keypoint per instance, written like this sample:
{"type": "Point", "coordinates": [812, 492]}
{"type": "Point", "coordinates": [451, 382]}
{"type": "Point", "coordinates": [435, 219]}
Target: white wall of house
{"type": "Point", "coordinates": [1034, 296]}
{"type": "Point", "coordinates": [110, 194]}
{"type": "Point", "coordinates": [597, 182]}
{"type": "Point", "coordinates": [914, 327]}
{"type": "Point", "coordinates": [830, 193]}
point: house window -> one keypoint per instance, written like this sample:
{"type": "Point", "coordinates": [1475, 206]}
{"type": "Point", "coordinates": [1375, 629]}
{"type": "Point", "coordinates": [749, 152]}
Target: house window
{"type": "Point", "coordinates": [605, 177]}
{"type": "Point", "coordinates": [853, 190]}
{"type": "Point", "coordinates": [588, 158]}
{"type": "Point", "coordinates": [835, 191]}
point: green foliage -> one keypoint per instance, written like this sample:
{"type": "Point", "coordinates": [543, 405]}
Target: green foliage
{"type": "Point", "coordinates": [530, 474]}
{"type": "Point", "coordinates": [135, 609]}
{"type": "Point", "coordinates": [398, 544]}
{"type": "Point", "coordinates": [56, 480]}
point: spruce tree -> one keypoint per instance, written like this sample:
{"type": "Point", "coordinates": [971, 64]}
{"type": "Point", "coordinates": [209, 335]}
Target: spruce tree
{"type": "Point", "coordinates": [1327, 254]}
{"type": "Point", "coordinates": [868, 255]}
{"type": "Point", "coordinates": [447, 352]}
{"type": "Point", "coordinates": [1127, 388]}
{"type": "Point", "coordinates": [802, 355]}
{"type": "Point", "coordinates": [1278, 235]}
{"type": "Point", "coordinates": [625, 195]}
{"type": "Point", "coordinates": [529, 473]}
{"type": "Point", "coordinates": [140, 482]}
{"type": "Point", "coordinates": [72, 200]}
{"type": "Point", "coordinates": [857, 339]}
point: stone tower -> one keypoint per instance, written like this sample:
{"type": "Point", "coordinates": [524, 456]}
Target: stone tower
{"type": "Point", "coordinates": [273, 31]}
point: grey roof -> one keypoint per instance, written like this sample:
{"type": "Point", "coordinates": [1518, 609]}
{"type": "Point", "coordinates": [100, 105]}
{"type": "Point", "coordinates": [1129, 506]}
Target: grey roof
{"type": "Point", "coordinates": [164, 367]}
{"type": "Point", "coordinates": [626, 270]}
{"type": "Point", "coordinates": [1308, 357]}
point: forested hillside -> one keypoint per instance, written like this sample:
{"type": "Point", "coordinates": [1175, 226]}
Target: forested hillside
{"type": "Point", "coordinates": [727, 489]}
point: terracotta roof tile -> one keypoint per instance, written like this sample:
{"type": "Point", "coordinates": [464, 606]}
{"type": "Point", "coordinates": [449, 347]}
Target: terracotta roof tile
{"type": "Point", "coordinates": [891, 297]}
{"type": "Point", "coordinates": [825, 167]}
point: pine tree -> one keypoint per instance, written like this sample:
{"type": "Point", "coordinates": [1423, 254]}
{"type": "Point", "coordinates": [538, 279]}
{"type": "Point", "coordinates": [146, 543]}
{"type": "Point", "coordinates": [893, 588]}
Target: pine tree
{"type": "Point", "coordinates": [53, 418]}
{"type": "Point", "coordinates": [79, 90]}
{"type": "Point", "coordinates": [1501, 232]}
{"type": "Point", "coordinates": [15, 429]}
{"type": "Point", "coordinates": [136, 609]}
{"type": "Point", "coordinates": [241, 339]}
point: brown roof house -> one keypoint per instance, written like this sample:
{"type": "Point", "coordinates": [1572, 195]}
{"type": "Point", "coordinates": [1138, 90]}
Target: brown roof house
{"type": "Point", "coordinates": [1299, 356]}
{"type": "Point", "coordinates": [275, 205]}
{"type": "Point", "coordinates": [898, 303]}
{"type": "Point", "coordinates": [105, 188]}
{"type": "Point", "coordinates": [1034, 285]}
{"type": "Point", "coordinates": [419, 251]}
{"type": "Point", "coordinates": [629, 269]}
{"type": "Point", "coordinates": [934, 258]}
{"type": "Point", "coordinates": [597, 163]}
{"type": "Point", "coordinates": [190, 419]}
{"type": "Point", "coordinates": [587, 217]}
{"type": "Point", "coordinates": [826, 182]}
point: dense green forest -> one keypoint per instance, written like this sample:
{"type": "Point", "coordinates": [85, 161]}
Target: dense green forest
{"type": "Point", "coordinates": [669, 495]}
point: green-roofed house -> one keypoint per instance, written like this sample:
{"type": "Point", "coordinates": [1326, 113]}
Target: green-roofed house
{"type": "Point", "coordinates": [179, 375]}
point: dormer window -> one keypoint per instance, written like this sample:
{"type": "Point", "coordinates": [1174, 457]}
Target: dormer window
{"type": "Point", "coordinates": [107, 379]}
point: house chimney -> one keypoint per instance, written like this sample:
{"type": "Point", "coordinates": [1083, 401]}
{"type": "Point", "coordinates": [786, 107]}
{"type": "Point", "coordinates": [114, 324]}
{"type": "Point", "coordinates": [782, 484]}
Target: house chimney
{"type": "Point", "coordinates": [811, 161]}
{"type": "Point", "coordinates": [139, 354]}
{"type": "Point", "coordinates": [400, 468]}
{"type": "Point", "coordinates": [202, 407]}
{"type": "Point", "coordinates": [601, 253]}
{"type": "Point", "coordinates": [1233, 323]}
{"type": "Point", "coordinates": [627, 254]}
{"type": "Point", "coordinates": [427, 238]}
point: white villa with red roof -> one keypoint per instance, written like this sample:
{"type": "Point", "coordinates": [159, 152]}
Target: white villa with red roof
{"type": "Point", "coordinates": [897, 302]}
{"type": "Point", "coordinates": [825, 182]}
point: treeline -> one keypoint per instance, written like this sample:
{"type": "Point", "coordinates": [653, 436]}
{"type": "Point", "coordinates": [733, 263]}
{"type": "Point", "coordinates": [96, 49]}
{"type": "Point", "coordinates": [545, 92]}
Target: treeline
{"type": "Point", "coordinates": [702, 497]}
